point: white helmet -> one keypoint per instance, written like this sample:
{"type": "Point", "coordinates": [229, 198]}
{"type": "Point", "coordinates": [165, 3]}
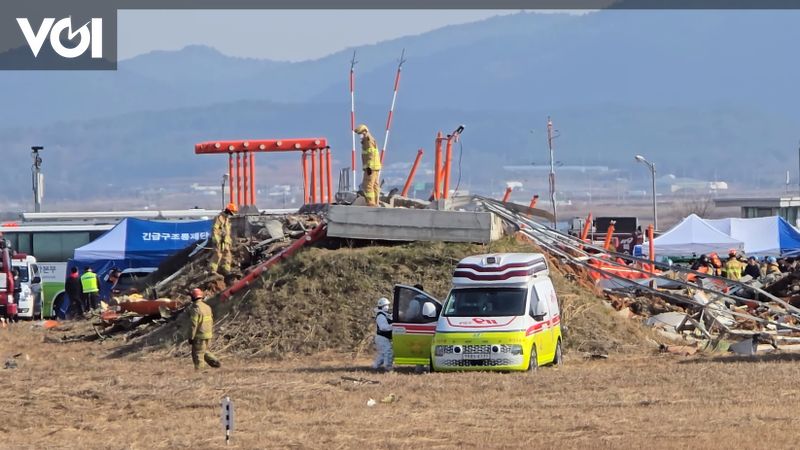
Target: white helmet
{"type": "Point", "coordinates": [383, 302]}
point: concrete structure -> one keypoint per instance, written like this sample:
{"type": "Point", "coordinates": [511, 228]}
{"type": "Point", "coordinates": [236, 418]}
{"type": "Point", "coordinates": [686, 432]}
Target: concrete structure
{"type": "Point", "coordinates": [786, 207]}
{"type": "Point", "coordinates": [388, 224]}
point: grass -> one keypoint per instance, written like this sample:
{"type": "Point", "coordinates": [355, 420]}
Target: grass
{"type": "Point", "coordinates": [73, 396]}
{"type": "Point", "coordinates": [323, 300]}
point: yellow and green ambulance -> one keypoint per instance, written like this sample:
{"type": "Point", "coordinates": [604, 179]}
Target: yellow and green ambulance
{"type": "Point", "coordinates": [501, 314]}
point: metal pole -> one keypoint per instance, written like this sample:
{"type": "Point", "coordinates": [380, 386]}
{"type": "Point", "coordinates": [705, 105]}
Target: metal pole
{"type": "Point", "coordinates": [230, 176]}
{"type": "Point", "coordinates": [410, 178]}
{"type": "Point", "coordinates": [394, 99]}
{"type": "Point", "coordinates": [245, 180]}
{"type": "Point", "coordinates": [534, 200]}
{"type": "Point", "coordinates": [238, 179]}
{"type": "Point", "coordinates": [224, 182]}
{"type": "Point", "coordinates": [652, 247]}
{"type": "Point", "coordinates": [655, 208]}
{"type": "Point", "coordinates": [437, 162]}
{"type": "Point", "coordinates": [313, 177]}
{"type": "Point", "coordinates": [37, 178]}
{"type": "Point", "coordinates": [321, 176]}
{"type": "Point", "coordinates": [552, 171]}
{"type": "Point", "coordinates": [448, 157]}
{"type": "Point", "coordinates": [507, 195]}
{"type": "Point", "coordinates": [305, 177]}
{"type": "Point", "coordinates": [252, 178]}
{"type": "Point", "coordinates": [353, 117]}
{"type": "Point", "coordinates": [329, 176]}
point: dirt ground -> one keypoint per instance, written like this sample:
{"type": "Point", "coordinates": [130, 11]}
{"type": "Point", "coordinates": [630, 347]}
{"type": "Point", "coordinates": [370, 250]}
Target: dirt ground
{"type": "Point", "coordinates": [75, 396]}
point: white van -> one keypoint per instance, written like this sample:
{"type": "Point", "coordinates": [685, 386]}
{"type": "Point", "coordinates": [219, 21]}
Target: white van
{"type": "Point", "coordinates": [29, 303]}
{"type": "Point", "coordinates": [501, 314]}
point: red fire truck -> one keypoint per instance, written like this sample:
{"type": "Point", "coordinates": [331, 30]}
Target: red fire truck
{"type": "Point", "coordinates": [8, 306]}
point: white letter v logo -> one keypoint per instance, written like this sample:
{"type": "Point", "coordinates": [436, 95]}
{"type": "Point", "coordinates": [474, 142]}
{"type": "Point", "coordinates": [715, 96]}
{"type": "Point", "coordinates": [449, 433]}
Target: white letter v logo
{"type": "Point", "coordinates": [35, 41]}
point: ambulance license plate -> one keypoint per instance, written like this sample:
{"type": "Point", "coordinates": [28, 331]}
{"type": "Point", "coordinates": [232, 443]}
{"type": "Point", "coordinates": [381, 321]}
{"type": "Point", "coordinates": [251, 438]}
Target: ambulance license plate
{"type": "Point", "coordinates": [476, 356]}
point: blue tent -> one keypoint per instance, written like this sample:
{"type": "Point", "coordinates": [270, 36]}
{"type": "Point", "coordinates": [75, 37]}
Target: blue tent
{"type": "Point", "coordinates": [762, 236]}
{"type": "Point", "coordinates": [135, 243]}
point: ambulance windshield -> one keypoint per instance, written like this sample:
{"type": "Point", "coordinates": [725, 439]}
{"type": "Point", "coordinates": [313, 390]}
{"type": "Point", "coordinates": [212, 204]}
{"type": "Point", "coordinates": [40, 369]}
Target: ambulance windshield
{"type": "Point", "coordinates": [486, 302]}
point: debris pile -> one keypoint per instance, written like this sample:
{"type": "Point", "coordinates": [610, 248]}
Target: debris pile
{"type": "Point", "coordinates": [684, 305]}
{"type": "Point", "coordinates": [159, 298]}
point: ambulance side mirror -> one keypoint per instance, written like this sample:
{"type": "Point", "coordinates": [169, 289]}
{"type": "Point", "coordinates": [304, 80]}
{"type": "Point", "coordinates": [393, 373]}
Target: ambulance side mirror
{"type": "Point", "coordinates": [36, 280]}
{"type": "Point", "coordinates": [429, 310]}
{"type": "Point", "coordinates": [538, 310]}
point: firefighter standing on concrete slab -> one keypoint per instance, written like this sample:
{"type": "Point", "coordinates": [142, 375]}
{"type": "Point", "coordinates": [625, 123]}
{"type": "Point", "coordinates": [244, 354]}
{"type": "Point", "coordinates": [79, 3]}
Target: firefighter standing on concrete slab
{"type": "Point", "coordinates": [383, 336]}
{"type": "Point", "coordinates": [222, 240]}
{"type": "Point", "coordinates": [371, 161]}
{"type": "Point", "coordinates": [202, 330]}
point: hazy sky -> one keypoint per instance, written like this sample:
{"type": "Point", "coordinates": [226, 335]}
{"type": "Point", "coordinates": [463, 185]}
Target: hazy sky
{"type": "Point", "coordinates": [291, 35]}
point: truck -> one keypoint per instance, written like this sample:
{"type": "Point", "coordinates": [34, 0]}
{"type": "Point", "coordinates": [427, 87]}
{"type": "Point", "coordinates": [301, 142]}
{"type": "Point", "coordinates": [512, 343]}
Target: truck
{"type": "Point", "coordinates": [627, 232]}
{"type": "Point", "coordinates": [501, 314]}
{"type": "Point", "coordinates": [8, 308]}
{"type": "Point", "coordinates": [29, 303]}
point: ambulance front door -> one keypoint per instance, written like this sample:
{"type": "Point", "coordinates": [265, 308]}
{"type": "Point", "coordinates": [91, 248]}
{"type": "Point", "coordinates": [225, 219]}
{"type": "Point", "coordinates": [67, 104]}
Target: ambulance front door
{"type": "Point", "coordinates": [414, 314]}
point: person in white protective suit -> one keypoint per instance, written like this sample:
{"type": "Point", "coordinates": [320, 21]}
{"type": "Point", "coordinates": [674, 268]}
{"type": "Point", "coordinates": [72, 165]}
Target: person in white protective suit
{"type": "Point", "coordinates": [383, 336]}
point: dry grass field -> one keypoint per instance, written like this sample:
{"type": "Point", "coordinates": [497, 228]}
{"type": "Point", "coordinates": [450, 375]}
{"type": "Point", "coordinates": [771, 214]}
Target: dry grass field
{"type": "Point", "coordinates": [74, 396]}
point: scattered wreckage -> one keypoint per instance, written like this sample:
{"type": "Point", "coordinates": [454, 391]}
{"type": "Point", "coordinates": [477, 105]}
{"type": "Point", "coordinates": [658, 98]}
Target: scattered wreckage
{"type": "Point", "coordinates": [711, 313]}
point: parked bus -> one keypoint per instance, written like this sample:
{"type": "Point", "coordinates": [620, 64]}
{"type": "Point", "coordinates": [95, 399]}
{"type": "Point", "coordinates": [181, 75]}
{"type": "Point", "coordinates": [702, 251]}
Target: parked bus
{"type": "Point", "coordinates": [53, 237]}
{"type": "Point", "coordinates": [53, 246]}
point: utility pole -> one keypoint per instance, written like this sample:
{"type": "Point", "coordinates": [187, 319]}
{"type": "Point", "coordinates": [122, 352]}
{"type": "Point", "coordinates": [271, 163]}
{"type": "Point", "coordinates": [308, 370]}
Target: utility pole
{"type": "Point", "coordinates": [652, 167]}
{"type": "Point", "coordinates": [37, 178]}
{"type": "Point", "coordinates": [224, 182]}
{"type": "Point", "coordinates": [550, 138]}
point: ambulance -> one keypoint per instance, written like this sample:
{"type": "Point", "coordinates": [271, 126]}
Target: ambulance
{"type": "Point", "coordinates": [29, 303]}
{"type": "Point", "coordinates": [501, 314]}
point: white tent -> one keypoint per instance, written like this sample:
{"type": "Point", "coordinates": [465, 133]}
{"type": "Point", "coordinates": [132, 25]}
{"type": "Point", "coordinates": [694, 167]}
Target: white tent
{"type": "Point", "coordinates": [693, 237]}
{"type": "Point", "coordinates": [762, 236]}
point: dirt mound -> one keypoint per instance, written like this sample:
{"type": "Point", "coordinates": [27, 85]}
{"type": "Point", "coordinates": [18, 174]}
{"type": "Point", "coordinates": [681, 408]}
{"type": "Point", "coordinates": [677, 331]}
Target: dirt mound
{"type": "Point", "coordinates": [323, 300]}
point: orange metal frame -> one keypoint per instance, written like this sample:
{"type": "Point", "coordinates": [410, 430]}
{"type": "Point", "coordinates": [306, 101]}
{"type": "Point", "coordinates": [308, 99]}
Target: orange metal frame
{"type": "Point", "coordinates": [243, 176]}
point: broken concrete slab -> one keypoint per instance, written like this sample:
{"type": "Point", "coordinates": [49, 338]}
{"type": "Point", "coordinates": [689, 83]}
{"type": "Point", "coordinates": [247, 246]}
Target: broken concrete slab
{"type": "Point", "coordinates": [669, 320]}
{"type": "Point", "coordinates": [388, 224]}
{"type": "Point", "coordinates": [274, 229]}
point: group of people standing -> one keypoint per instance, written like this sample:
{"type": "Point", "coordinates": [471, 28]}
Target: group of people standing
{"type": "Point", "coordinates": [738, 266]}
{"type": "Point", "coordinates": [84, 292]}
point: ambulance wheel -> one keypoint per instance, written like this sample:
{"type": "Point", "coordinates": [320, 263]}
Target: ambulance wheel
{"type": "Point", "coordinates": [558, 359]}
{"type": "Point", "coordinates": [430, 365]}
{"type": "Point", "coordinates": [533, 363]}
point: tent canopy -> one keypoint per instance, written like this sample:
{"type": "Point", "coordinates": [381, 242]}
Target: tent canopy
{"type": "Point", "coordinates": [139, 243]}
{"type": "Point", "coordinates": [693, 237]}
{"type": "Point", "coordinates": [762, 236]}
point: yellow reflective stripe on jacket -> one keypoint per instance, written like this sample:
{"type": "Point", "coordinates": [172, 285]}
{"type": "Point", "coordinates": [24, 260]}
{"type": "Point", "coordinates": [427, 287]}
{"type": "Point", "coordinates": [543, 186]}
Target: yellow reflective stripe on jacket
{"type": "Point", "coordinates": [89, 282]}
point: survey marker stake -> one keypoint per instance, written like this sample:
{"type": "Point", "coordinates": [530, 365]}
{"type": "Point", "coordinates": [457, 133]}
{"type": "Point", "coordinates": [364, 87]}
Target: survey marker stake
{"type": "Point", "coordinates": [227, 418]}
